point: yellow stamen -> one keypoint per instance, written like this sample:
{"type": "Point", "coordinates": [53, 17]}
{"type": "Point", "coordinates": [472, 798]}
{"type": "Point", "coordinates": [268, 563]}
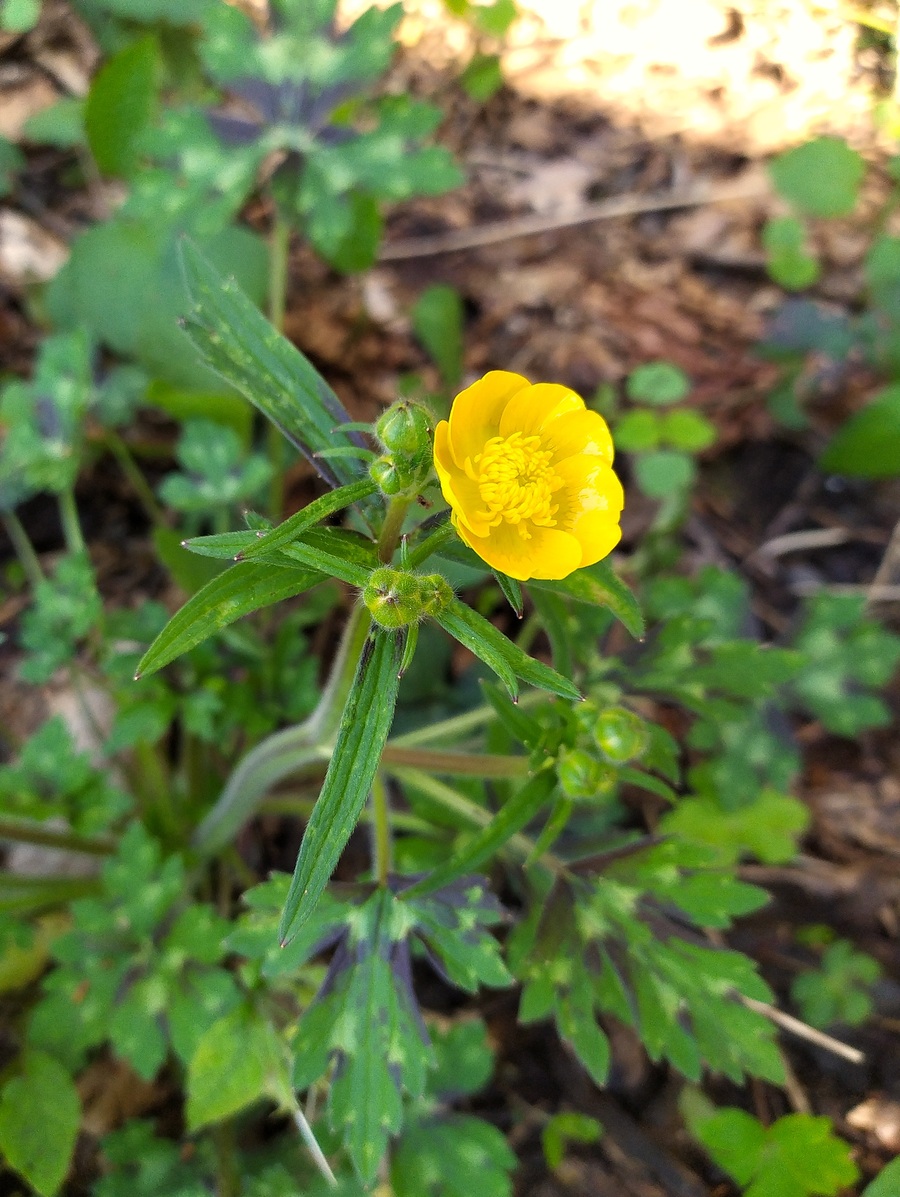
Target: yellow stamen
{"type": "Point", "coordinates": [516, 481]}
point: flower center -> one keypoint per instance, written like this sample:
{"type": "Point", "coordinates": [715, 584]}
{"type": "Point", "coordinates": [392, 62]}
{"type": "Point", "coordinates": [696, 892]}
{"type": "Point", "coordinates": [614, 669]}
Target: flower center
{"type": "Point", "coordinates": [516, 481]}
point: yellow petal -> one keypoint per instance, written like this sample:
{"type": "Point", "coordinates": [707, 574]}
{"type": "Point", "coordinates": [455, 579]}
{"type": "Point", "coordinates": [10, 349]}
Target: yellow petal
{"type": "Point", "coordinates": [476, 411]}
{"type": "Point", "coordinates": [460, 491]}
{"type": "Point", "coordinates": [588, 485]}
{"type": "Point", "coordinates": [597, 534]}
{"type": "Point", "coordinates": [578, 432]}
{"type": "Point", "coordinates": [531, 410]}
{"type": "Point", "coordinates": [547, 553]}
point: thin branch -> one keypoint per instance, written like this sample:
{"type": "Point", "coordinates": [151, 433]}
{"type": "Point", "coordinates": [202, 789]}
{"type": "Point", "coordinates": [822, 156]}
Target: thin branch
{"type": "Point", "coordinates": [608, 209]}
{"type": "Point", "coordinates": [803, 1031]}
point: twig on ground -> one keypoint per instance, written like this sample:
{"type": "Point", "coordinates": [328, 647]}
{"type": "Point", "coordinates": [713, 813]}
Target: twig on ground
{"type": "Point", "coordinates": [530, 226]}
{"type": "Point", "coordinates": [875, 593]}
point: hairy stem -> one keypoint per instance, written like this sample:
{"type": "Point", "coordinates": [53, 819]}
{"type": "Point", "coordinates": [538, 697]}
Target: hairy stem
{"type": "Point", "coordinates": [382, 844]}
{"type": "Point", "coordinates": [71, 525]}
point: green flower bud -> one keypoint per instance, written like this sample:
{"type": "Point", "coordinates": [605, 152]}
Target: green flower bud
{"type": "Point", "coordinates": [583, 776]}
{"type": "Point", "coordinates": [393, 598]}
{"type": "Point", "coordinates": [620, 735]}
{"type": "Point", "coordinates": [435, 592]}
{"type": "Point", "coordinates": [386, 476]}
{"type": "Point", "coordinates": [405, 430]}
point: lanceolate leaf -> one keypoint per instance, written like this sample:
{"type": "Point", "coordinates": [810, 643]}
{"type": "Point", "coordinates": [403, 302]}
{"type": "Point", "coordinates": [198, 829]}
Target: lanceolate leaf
{"type": "Point", "coordinates": [343, 555]}
{"type": "Point", "coordinates": [512, 592]}
{"type": "Point", "coordinates": [245, 587]}
{"type": "Point", "coordinates": [235, 339]}
{"type": "Point", "coordinates": [598, 585]}
{"type": "Point", "coordinates": [515, 814]}
{"type": "Point", "coordinates": [487, 642]}
{"type": "Point", "coordinates": [316, 511]}
{"type": "Point", "coordinates": [364, 728]}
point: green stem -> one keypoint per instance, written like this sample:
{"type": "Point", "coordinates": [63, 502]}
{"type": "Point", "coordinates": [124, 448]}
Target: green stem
{"type": "Point", "coordinates": [229, 1179]}
{"type": "Point", "coordinates": [389, 537]}
{"type": "Point", "coordinates": [289, 804]}
{"type": "Point", "coordinates": [455, 764]}
{"type": "Point", "coordinates": [129, 467]}
{"type": "Point", "coordinates": [279, 245]}
{"type": "Point", "coordinates": [70, 523]}
{"type": "Point", "coordinates": [523, 845]}
{"type": "Point", "coordinates": [382, 844]}
{"type": "Point", "coordinates": [23, 831]}
{"type": "Point", "coordinates": [458, 726]}
{"type": "Point", "coordinates": [430, 545]}
{"type": "Point", "coordinates": [24, 549]}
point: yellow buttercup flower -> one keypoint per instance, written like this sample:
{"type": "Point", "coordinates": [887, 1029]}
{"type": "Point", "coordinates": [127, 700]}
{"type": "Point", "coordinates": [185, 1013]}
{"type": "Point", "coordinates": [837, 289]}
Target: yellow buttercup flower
{"type": "Point", "coordinates": [527, 471]}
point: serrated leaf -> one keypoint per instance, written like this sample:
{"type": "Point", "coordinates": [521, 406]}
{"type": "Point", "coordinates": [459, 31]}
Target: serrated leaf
{"type": "Point", "coordinates": [363, 731]}
{"type": "Point", "coordinates": [39, 1118]}
{"type": "Point", "coordinates": [243, 588]}
{"type": "Point", "coordinates": [120, 105]}
{"type": "Point", "coordinates": [516, 813]}
{"type": "Point", "coordinates": [598, 585]}
{"type": "Point", "coordinates": [236, 340]}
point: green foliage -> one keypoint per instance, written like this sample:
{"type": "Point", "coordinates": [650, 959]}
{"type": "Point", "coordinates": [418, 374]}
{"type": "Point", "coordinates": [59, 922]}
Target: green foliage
{"type": "Point", "coordinates": [838, 991]}
{"type": "Point", "coordinates": [868, 444]}
{"type": "Point", "coordinates": [563, 1128]}
{"type": "Point", "coordinates": [437, 320]}
{"type": "Point", "coordinates": [50, 779]}
{"type": "Point", "coordinates": [657, 383]}
{"type": "Point", "coordinates": [787, 258]}
{"type": "Point", "coordinates": [66, 608]}
{"type": "Point", "coordinates": [798, 1156]}
{"type": "Point", "coordinates": [236, 1061]}
{"type": "Point", "coordinates": [18, 16]}
{"type": "Point", "coordinates": [820, 178]}
{"type": "Point", "coordinates": [886, 1183]}
{"type": "Point", "coordinates": [847, 657]}
{"type": "Point", "coordinates": [120, 106]}
{"type": "Point", "coordinates": [663, 442]}
{"type": "Point", "coordinates": [217, 475]}
{"type": "Point", "coordinates": [139, 968]}
{"type": "Point", "coordinates": [39, 1117]}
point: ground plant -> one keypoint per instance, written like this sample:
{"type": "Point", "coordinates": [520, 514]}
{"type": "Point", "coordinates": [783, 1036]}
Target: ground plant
{"type": "Point", "coordinates": [426, 745]}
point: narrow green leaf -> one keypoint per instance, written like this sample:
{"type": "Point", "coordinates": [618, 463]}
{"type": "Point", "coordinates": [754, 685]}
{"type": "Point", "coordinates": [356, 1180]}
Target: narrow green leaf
{"type": "Point", "coordinates": [235, 339]}
{"type": "Point", "coordinates": [460, 620]}
{"type": "Point", "coordinates": [515, 814]}
{"type": "Point", "coordinates": [364, 728]}
{"type": "Point", "coordinates": [437, 320]}
{"type": "Point", "coordinates": [598, 585]}
{"type": "Point", "coordinates": [119, 107]}
{"type": "Point", "coordinates": [512, 592]}
{"type": "Point", "coordinates": [347, 557]}
{"type": "Point", "coordinates": [245, 587]}
{"type": "Point", "coordinates": [226, 546]}
{"type": "Point", "coordinates": [312, 514]}
{"type": "Point", "coordinates": [39, 1118]}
